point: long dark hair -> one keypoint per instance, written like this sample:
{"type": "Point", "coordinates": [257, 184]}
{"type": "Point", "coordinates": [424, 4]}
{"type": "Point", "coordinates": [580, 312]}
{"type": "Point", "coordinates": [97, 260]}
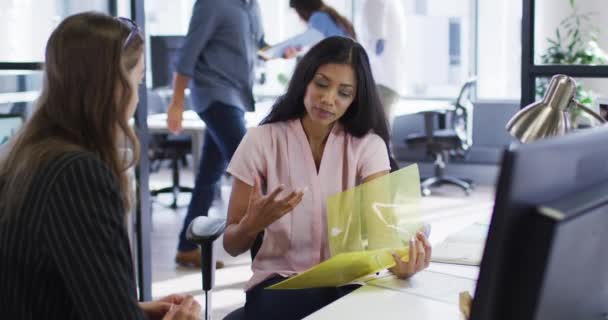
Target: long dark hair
{"type": "Point", "coordinates": [82, 106]}
{"type": "Point", "coordinates": [365, 113]}
{"type": "Point", "coordinates": [305, 8]}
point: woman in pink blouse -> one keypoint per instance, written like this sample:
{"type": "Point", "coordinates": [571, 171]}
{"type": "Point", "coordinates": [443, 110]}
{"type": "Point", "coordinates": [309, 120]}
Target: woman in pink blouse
{"type": "Point", "coordinates": [328, 133]}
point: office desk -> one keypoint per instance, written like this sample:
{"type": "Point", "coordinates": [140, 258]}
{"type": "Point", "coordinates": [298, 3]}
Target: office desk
{"type": "Point", "coordinates": [12, 97]}
{"type": "Point", "coordinates": [405, 107]}
{"type": "Point", "coordinates": [431, 294]}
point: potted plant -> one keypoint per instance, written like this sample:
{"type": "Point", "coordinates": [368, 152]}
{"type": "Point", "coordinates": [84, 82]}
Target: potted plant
{"type": "Point", "coordinates": [575, 42]}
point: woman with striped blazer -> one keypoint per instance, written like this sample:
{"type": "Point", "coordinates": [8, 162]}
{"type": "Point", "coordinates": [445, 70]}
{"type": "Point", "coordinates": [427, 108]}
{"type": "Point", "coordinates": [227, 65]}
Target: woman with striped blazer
{"type": "Point", "coordinates": [64, 251]}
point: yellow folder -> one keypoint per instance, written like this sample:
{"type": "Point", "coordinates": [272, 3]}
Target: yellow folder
{"type": "Point", "coordinates": [365, 225]}
{"type": "Point", "coordinates": [342, 269]}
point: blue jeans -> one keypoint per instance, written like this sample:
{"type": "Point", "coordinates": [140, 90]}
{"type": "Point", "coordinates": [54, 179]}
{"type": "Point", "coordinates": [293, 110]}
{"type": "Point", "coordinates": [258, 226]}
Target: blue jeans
{"type": "Point", "coordinates": [225, 127]}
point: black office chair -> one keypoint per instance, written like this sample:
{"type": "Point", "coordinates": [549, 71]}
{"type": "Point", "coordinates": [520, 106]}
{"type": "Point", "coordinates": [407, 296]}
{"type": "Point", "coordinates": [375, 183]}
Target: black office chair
{"type": "Point", "coordinates": [443, 143]}
{"type": "Point", "coordinates": [174, 148]}
{"type": "Point", "coordinates": [203, 231]}
{"type": "Point", "coordinates": [163, 146]}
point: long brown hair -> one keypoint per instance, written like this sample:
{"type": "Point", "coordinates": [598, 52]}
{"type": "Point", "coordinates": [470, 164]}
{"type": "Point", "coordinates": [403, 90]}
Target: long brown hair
{"type": "Point", "coordinates": [305, 8]}
{"type": "Point", "coordinates": [83, 105]}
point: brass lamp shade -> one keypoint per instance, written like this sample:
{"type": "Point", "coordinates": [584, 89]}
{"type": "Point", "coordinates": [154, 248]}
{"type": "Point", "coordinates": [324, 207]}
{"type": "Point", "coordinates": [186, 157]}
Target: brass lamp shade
{"type": "Point", "coordinates": [548, 117]}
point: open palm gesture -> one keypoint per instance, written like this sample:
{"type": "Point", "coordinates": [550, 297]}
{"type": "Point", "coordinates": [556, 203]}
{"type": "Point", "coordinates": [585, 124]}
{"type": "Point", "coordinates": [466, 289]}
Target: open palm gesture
{"type": "Point", "coordinates": [263, 210]}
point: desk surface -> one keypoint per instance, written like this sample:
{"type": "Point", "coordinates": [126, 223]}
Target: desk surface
{"type": "Point", "coordinates": [12, 97]}
{"type": "Point", "coordinates": [405, 107]}
{"type": "Point", "coordinates": [431, 294]}
{"type": "Point", "coordinates": [369, 302]}
{"type": "Point", "coordinates": [192, 122]}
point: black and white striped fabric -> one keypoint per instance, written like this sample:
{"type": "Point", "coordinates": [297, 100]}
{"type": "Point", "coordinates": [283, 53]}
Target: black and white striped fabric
{"type": "Point", "coordinates": [66, 254]}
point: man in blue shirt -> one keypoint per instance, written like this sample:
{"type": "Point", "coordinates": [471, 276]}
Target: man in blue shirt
{"type": "Point", "coordinates": [217, 62]}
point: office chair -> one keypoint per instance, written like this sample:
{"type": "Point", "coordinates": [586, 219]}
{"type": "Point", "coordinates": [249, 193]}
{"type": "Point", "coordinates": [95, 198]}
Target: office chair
{"type": "Point", "coordinates": [203, 231]}
{"type": "Point", "coordinates": [164, 146]}
{"type": "Point", "coordinates": [444, 143]}
{"type": "Point", "coordinates": [174, 148]}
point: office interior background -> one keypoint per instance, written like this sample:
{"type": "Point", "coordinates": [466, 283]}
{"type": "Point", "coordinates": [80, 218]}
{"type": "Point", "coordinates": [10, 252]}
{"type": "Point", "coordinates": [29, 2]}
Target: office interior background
{"type": "Point", "coordinates": [447, 41]}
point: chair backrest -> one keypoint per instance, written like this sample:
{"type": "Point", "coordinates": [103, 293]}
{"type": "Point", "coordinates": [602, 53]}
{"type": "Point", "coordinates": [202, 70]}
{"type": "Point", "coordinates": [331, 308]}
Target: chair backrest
{"type": "Point", "coordinates": [465, 96]}
{"type": "Point", "coordinates": [462, 119]}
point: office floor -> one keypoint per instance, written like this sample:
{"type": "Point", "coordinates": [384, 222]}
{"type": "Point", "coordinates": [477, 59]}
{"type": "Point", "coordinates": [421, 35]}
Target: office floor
{"type": "Point", "coordinates": [228, 293]}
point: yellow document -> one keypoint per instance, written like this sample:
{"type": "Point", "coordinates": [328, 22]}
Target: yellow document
{"type": "Point", "coordinates": [365, 225]}
{"type": "Point", "coordinates": [341, 269]}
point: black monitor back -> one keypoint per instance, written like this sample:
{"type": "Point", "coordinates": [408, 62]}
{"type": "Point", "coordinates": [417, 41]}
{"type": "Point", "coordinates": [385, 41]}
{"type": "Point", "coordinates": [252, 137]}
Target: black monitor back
{"type": "Point", "coordinates": [164, 51]}
{"type": "Point", "coordinates": [531, 175]}
{"type": "Point", "coordinates": [565, 269]}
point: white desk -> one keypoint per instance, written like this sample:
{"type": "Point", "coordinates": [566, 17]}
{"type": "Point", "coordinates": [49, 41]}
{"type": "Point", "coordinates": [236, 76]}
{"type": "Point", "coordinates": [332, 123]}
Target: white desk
{"type": "Point", "coordinates": [405, 106]}
{"type": "Point", "coordinates": [432, 294]}
{"type": "Point", "coordinates": [12, 97]}
{"type": "Point", "coordinates": [429, 295]}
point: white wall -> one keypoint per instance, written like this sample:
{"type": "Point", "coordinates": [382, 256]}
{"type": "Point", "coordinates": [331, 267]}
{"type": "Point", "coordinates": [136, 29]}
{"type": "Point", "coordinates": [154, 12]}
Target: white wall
{"type": "Point", "coordinates": [499, 53]}
{"type": "Point", "coordinates": [17, 19]}
{"type": "Point", "coordinates": [168, 17]}
{"type": "Point", "coordinates": [449, 7]}
{"type": "Point", "coordinates": [74, 6]}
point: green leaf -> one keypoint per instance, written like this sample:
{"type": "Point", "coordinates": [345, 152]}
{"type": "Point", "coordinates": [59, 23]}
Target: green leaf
{"type": "Point", "coordinates": [572, 4]}
{"type": "Point", "coordinates": [576, 36]}
{"type": "Point", "coordinates": [570, 32]}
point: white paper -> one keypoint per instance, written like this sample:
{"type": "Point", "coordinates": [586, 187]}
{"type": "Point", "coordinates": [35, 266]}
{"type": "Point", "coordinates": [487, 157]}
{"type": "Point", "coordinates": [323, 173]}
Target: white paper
{"type": "Point", "coordinates": [308, 38]}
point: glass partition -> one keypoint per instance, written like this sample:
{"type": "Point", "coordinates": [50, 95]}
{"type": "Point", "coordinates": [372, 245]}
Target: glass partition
{"type": "Point", "coordinates": [571, 32]}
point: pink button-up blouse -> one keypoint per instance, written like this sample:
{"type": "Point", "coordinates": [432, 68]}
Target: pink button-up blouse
{"type": "Point", "coordinates": [279, 153]}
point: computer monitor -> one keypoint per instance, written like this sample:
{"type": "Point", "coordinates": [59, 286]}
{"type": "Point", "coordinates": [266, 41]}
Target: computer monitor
{"type": "Point", "coordinates": [528, 253]}
{"type": "Point", "coordinates": [164, 51]}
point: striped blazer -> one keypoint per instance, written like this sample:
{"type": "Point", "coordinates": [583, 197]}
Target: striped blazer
{"type": "Point", "coordinates": [66, 254]}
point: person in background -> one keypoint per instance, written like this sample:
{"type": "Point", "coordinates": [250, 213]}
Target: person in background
{"type": "Point", "coordinates": [322, 18]}
{"type": "Point", "coordinates": [328, 133]}
{"type": "Point", "coordinates": [64, 190]}
{"type": "Point", "coordinates": [217, 62]}
{"type": "Point", "coordinates": [382, 32]}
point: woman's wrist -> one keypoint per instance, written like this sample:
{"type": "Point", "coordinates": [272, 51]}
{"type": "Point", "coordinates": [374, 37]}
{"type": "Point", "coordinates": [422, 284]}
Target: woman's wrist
{"type": "Point", "coordinates": [177, 101]}
{"type": "Point", "coordinates": [247, 229]}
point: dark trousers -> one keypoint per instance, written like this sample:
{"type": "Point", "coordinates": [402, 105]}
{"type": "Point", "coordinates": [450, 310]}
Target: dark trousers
{"type": "Point", "coordinates": [289, 304]}
{"type": "Point", "coordinates": [225, 127]}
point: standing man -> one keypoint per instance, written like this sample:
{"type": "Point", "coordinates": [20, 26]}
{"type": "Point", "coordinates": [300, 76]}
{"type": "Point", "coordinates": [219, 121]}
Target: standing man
{"type": "Point", "coordinates": [382, 34]}
{"type": "Point", "coordinates": [217, 62]}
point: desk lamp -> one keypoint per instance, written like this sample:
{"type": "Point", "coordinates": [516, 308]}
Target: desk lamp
{"type": "Point", "coordinates": [548, 117]}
